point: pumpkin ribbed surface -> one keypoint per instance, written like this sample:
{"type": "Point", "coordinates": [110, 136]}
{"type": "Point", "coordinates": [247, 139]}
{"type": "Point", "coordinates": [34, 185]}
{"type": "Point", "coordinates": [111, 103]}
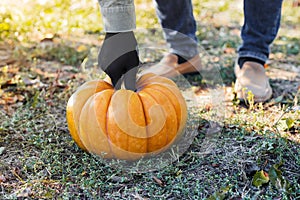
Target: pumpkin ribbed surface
{"type": "Point", "coordinates": [124, 124]}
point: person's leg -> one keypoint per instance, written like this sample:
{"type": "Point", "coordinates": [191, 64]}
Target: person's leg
{"type": "Point", "coordinates": [262, 21]}
{"type": "Point", "coordinates": [261, 24]}
{"type": "Point", "coordinates": [179, 26]}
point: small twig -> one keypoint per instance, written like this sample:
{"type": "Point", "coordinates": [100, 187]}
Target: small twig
{"type": "Point", "coordinates": [57, 77]}
{"type": "Point", "coordinates": [20, 179]}
{"type": "Point", "coordinates": [54, 83]}
{"type": "Point", "coordinates": [158, 181]}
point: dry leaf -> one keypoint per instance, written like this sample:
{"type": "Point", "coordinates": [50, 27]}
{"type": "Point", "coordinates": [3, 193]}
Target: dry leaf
{"type": "Point", "coordinates": [229, 50]}
{"type": "Point", "coordinates": [81, 48]}
{"type": "Point", "coordinates": [260, 177]}
{"type": "Point", "coordinates": [9, 100]}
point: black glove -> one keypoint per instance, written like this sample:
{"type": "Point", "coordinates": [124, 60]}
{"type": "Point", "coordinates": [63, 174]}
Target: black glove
{"type": "Point", "coordinates": [119, 58]}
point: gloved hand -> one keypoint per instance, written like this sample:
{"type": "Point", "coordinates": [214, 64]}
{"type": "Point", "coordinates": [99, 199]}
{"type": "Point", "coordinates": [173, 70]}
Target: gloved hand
{"type": "Point", "coordinates": [119, 58]}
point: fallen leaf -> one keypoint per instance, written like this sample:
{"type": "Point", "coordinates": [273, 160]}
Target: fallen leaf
{"type": "Point", "coordinates": [81, 48]}
{"type": "Point", "coordinates": [260, 178]}
{"type": "Point", "coordinates": [10, 100]}
{"type": "Point", "coordinates": [276, 178]}
{"type": "Point", "coordinates": [285, 123]}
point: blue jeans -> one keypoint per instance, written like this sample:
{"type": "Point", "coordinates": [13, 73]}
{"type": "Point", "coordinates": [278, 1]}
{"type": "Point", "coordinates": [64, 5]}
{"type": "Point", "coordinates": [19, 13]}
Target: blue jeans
{"type": "Point", "coordinates": [179, 26]}
{"type": "Point", "coordinates": [261, 24]}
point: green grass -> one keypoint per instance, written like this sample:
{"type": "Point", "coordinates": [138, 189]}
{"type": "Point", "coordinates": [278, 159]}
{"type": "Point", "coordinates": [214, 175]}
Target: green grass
{"type": "Point", "coordinates": [52, 166]}
{"type": "Point", "coordinates": [38, 158]}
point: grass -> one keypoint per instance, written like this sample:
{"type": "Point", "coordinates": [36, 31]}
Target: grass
{"type": "Point", "coordinates": [52, 166]}
{"type": "Point", "coordinates": [40, 160]}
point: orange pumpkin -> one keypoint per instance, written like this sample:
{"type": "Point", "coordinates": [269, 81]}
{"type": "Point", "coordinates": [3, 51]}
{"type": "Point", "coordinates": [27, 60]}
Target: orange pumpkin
{"type": "Point", "coordinates": [124, 124]}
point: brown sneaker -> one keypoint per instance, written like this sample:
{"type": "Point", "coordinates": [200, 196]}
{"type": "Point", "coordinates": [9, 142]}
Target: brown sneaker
{"type": "Point", "coordinates": [252, 77]}
{"type": "Point", "coordinates": [168, 66]}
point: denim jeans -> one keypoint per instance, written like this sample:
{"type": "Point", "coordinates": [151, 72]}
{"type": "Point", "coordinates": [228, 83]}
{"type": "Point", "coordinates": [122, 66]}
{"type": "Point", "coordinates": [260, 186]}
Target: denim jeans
{"type": "Point", "coordinates": [179, 26]}
{"type": "Point", "coordinates": [261, 24]}
{"type": "Point", "coordinates": [118, 16]}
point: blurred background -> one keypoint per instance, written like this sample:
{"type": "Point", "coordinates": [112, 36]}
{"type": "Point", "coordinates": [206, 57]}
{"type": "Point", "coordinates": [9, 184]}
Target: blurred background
{"type": "Point", "coordinates": [32, 20]}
